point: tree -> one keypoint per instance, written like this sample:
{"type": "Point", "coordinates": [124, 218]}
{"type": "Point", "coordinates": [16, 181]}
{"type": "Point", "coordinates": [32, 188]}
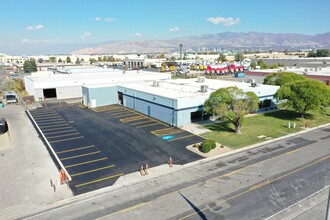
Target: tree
{"type": "Point", "coordinates": [40, 60]}
{"type": "Point", "coordinates": [253, 65]}
{"type": "Point", "coordinates": [239, 57]}
{"type": "Point", "coordinates": [78, 60]}
{"type": "Point", "coordinates": [303, 96]}
{"type": "Point", "coordinates": [60, 60]}
{"type": "Point", "coordinates": [52, 59]}
{"type": "Point", "coordinates": [30, 66]}
{"type": "Point", "coordinates": [232, 104]}
{"type": "Point", "coordinates": [222, 58]}
{"type": "Point", "coordinates": [319, 53]}
{"type": "Point", "coordinates": [68, 60]}
{"type": "Point", "coordinates": [281, 78]}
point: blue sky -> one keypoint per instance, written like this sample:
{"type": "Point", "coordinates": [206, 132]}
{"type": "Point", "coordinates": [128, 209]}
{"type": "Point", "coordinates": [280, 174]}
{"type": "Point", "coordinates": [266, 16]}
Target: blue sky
{"type": "Point", "coordinates": [38, 22]}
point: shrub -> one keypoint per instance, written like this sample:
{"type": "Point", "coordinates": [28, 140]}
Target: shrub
{"type": "Point", "coordinates": [206, 147]}
{"type": "Point", "coordinates": [211, 142]}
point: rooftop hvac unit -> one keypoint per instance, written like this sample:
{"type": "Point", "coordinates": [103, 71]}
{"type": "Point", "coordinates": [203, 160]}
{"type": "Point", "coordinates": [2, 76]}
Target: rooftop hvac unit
{"type": "Point", "coordinates": [204, 88]}
{"type": "Point", "coordinates": [201, 79]}
{"type": "Point", "coordinates": [155, 83]}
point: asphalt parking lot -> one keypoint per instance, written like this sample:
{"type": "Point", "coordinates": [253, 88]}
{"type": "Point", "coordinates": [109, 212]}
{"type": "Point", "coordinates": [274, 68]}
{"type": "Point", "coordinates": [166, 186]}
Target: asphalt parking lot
{"type": "Point", "coordinates": [100, 145]}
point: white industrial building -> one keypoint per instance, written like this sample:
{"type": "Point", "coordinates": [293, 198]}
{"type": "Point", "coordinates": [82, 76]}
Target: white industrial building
{"type": "Point", "coordinates": [175, 102]}
{"type": "Point", "coordinates": [68, 84]}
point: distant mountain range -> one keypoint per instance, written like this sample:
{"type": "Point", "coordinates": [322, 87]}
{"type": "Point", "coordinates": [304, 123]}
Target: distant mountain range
{"type": "Point", "coordinates": [226, 40]}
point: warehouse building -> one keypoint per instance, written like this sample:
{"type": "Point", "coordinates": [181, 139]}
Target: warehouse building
{"type": "Point", "coordinates": [175, 102]}
{"type": "Point", "coordinates": [67, 83]}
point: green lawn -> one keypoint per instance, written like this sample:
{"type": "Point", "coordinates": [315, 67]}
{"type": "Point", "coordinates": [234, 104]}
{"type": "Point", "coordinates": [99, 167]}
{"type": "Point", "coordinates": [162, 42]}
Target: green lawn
{"type": "Point", "coordinates": [270, 124]}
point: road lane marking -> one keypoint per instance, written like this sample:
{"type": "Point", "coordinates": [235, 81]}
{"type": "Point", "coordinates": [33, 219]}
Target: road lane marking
{"type": "Point", "coordinates": [293, 151]}
{"type": "Point", "coordinates": [179, 138]}
{"type": "Point", "coordinates": [147, 117]}
{"type": "Point", "coordinates": [75, 149]}
{"type": "Point", "coordinates": [52, 117]}
{"type": "Point", "coordinates": [63, 135]}
{"type": "Point", "coordinates": [91, 171]}
{"type": "Point", "coordinates": [67, 139]}
{"type": "Point", "coordinates": [87, 162]}
{"type": "Point", "coordinates": [50, 120]}
{"type": "Point", "coordinates": [99, 180]}
{"type": "Point", "coordinates": [267, 182]}
{"type": "Point", "coordinates": [80, 155]}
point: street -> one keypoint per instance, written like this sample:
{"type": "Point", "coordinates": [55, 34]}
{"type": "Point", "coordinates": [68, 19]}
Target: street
{"type": "Point", "coordinates": [252, 184]}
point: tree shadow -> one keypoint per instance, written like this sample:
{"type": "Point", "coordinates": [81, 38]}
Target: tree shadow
{"type": "Point", "coordinates": [288, 115]}
{"type": "Point", "coordinates": [222, 126]}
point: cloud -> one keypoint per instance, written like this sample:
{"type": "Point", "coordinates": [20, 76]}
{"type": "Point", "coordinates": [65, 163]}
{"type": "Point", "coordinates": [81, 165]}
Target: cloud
{"type": "Point", "coordinates": [174, 29]}
{"type": "Point", "coordinates": [30, 41]}
{"type": "Point", "coordinates": [97, 19]}
{"type": "Point", "coordinates": [137, 35]}
{"type": "Point", "coordinates": [33, 28]}
{"type": "Point", "coordinates": [109, 19]}
{"type": "Point", "coordinates": [227, 21]}
{"type": "Point", "coordinates": [85, 35]}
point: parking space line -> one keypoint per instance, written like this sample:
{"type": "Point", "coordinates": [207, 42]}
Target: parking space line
{"type": "Point", "coordinates": [119, 112]}
{"type": "Point", "coordinates": [91, 171]}
{"type": "Point", "coordinates": [56, 122]}
{"type": "Point", "coordinates": [124, 115]}
{"type": "Point", "coordinates": [74, 149]}
{"type": "Point", "coordinates": [106, 108]}
{"type": "Point", "coordinates": [99, 180]}
{"type": "Point", "coordinates": [56, 129]}
{"type": "Point", "coordinates": [135, 118]}
{"type": "Point", "coordinates": [179, 138]}
{"type": "Point", "coordinates": [68, 139]}
{"type": "Point", "coordinates": [143, 126]}
{"type": "Point", "coordinates": [44, 113]}
{"type": "Point", "coordinates": [63, 135]}
{"type": "Point", "coordinates": [87, 162]}
{"type": "Point", "coordinates": [147, 117]}
{"type": "Point", "coordinates": [173, 132]}
{"type": "Point", "coordinates": [115, 111]}
{"type": "Point", "coordinates": [53, 126]}
{"type": "Point", "coordinates": [41, 118]}
{"type": "Point", "coordinates": [49, 120]}
{"type": "Point", "coordinates": [80, 155]}
{"type": "Point", "coordinates": [141, 122]}
{"type": "Point", "coordinates": [58, 132]}
{"type": "Point", "coordinates": [161, 132]}
{"type": "Point", "coordinates": [36, 116]}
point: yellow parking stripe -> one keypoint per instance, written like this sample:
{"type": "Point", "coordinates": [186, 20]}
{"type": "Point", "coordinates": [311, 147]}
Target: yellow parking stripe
{"type": "Point", "coordinates": [49, 120]}
{"type": "Point", "coordinates": [58, 132]}
{"type": "Point", "coordinates": [48, 117]}
{"type": "Point", "coordinates": [99, 180]}
{"type": "Point", "coordinates": [47, 123]}
{"type": "Point", "coordinates": [63, 135]}
{"type": "Point", "coordinates": [91, 171]}
{"type": "Point", "coordinates": [52, 129]}
{"type": "Point", "coordinates": [120, 112]}
{"type": "Point", "coordinates": [74, 149]}
{"type": "Point", "coordinates": [44, 115]}
{"type": "Point", "coordinates": [143, 126]}
{"type": "Point", "coordinates": [147, 117]}
{"type": "Point", "coordinates": [124, 115]}
{"type": "Point", "coordinates": [68, 139]}
{"type": "Point", "coordinates": [52, 126]}
{"type": "Point", "coordinates": [182, 137]}
{"type": "Point", "coordinates": [162, 132]}
{"type": "Point", "coordinates": [87, 162]}
{"type": "Point", "coordinates": [81, 155]}
{"type": "Point", "coordinates": [115, 111]}
{"type": "Point", "coordinates": [142, 122]}
{"type": "Point", "coordinates": [135, 118]}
